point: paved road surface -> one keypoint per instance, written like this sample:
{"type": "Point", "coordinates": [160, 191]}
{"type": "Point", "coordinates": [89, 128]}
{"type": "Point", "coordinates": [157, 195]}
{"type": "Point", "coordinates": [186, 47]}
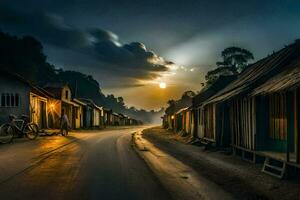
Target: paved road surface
{"type": "Point", "coordinates": [86, 165]}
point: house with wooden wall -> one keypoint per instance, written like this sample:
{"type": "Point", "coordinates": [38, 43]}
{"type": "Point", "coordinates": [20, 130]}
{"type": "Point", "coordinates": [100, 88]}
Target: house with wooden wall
{"type": "Point", "coordinates": [63, 93]}
{"type": "Point", "coordinates": [170, 117]}
{"type": "Point", "coordinates": [20, 97]}
{"type": "Point", "coordinates": [116, 120]}
{"type": "Point", "coordinates": [247, 115]}
{"type": "Point", "coordinates": [202, 123]}
{"type": "Point", "coordinates": [53, 109]}
{"type": "Point", "coordinates": [94, 114]}
{"type": "Point", "coordinates": [184, 120]}
{"type": "Point", "coordinates": [135, 122]}
{"type": "Point", "coordinates": [177, 115]}
{"type": "Point", "coordinates": [182, 113]}
{"type": "Point", "coordinates": [107, 116]}
{"type": "Point", "coordinates": [127, 120]}
{"type": "Point", "coordinates": [79, 113]}
{"type": "Point", "coordinates": [278, 115]}
{"type": "Point", "coordinates": [88, 112]}
{"type": "Point", "coordinates": [122, 119]}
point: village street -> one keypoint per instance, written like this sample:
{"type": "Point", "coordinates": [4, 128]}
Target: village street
{"type": "Point", "coordinates": [84, 165]}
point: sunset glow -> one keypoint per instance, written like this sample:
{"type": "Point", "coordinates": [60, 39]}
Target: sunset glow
{"type": "Point", "coordinates": [162, 85]}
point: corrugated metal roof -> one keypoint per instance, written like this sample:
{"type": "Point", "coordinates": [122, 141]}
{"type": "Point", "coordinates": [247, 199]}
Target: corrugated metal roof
{"type": "Point", "coordinates": [258, 73]}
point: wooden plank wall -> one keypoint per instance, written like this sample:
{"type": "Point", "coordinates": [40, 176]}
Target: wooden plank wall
{"type": "Point", "coordinates": [296, 125]}
{"type": "Point", "coordinates": [278, 116]}
{"type": "Point", "coordinates": [200, 123]}
{"type": "Point", "coordinates": [243, 122]}
{"type": "Point", "coordinates": [208, 121]}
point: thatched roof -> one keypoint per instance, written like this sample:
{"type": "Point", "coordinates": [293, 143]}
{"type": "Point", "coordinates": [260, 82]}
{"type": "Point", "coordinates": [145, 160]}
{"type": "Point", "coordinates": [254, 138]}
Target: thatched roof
{"type": "Point", "coordinates": [179, 104]}
{"type": "Point", "coordinates": [286, 80]}
{"type": "Point", "coordinates": [258, 73]}
{"type": "Point", "coordinates": [218, 85]}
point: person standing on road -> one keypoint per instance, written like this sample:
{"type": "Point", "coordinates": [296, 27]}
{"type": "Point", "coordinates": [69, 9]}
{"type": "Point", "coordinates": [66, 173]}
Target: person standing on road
{"type": "Point", "coordinates": [64, 123]}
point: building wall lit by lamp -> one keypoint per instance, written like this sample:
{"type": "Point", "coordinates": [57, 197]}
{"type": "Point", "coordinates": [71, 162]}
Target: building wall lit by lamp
{"type": "Point", "coordinates": [52, 106]}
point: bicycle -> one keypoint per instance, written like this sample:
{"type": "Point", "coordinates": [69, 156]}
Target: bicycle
{"type": "Point", "coordinates": [18, 127]}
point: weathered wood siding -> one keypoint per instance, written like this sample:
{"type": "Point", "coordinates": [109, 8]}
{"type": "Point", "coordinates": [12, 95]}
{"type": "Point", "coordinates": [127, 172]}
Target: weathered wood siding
{"type": "Point", "coordinates": [208, 121]}
{"type": "Point", "coordinates": [78, 116]}
{"type": "Point", "coordinates": [278, 116]}
{"type": "Point", "coordinates": [200, 122]}
{"type": "Point", "coordinates": [243, 122]}
{"type": "Point", "coordinates": [96, 117]}
{"type": "Point", "coordinates": [54, 112]}
{"type": "Point", "coordinates": [188, 122]}
{"type": "Point", "coordinates": [38, 110]}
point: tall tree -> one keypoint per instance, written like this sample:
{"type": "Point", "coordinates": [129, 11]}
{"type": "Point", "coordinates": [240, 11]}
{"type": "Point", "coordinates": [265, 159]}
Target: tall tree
{"type": "Point", "coordinates": [235, 57]}
{"type": "Point", "coordinates": [171, 102]}
{"type": "Point", "coordinates": [188, 94]}
{"type": "Point", "coordinates": [235, 60]}
{"type": "Point", "coordinates": [25, 56]}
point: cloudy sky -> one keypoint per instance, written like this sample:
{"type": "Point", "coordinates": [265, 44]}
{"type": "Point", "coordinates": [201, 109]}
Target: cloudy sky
{"type": "Point", "coordinates": [132, 46]}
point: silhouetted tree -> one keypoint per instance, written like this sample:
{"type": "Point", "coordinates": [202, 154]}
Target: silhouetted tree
{"type": "Point", "coordinates": [171, 102]}
{"type": "Point", "coordinates": [235, 57]}
{"type": "Point", "coordinates": [25, 57]}
{"type": "Point", "coordinates": [188, 94]}
{"type": "Point", "coordinates": [235, 60]}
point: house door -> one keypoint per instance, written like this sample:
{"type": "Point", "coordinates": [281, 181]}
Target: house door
{"type": "Point", "coordinates": [42, 115]}
{"type": "Point", "coordinates": [74, 112]}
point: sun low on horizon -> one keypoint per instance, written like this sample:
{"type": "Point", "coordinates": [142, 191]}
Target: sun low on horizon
{"type": "Point", "coordinates": [162, 85]}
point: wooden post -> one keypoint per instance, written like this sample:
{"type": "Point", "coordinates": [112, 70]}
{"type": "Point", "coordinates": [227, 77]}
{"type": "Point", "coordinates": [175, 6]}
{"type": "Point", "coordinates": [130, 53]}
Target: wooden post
{"type": "Point", "coordinates": [296, 132]}
{"type": "Point", "coordinates": [290, 120]}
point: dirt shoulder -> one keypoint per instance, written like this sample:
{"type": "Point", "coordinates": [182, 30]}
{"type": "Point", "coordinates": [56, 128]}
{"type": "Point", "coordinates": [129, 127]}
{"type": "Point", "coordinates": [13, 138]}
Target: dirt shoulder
{"type": "Point", "coordinates": [181, 181]}
{"type": "Point", "coordinates": [240, 178]}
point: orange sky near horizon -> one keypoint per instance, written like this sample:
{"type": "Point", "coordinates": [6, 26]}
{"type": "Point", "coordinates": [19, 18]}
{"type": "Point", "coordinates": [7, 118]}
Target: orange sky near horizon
{"type": "Point", "coordinates": [151, 96]}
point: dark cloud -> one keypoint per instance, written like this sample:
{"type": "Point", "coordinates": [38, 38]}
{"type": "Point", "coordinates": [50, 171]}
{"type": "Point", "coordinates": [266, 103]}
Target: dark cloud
{"type": "Point", "coordinates": [101, 35]}
{"type": "Point", "coordinates": [128, 60]}
{"type": "Point", "coordinates": [131, 56]}
{"type": "Point", "coordinates": [49, 28]}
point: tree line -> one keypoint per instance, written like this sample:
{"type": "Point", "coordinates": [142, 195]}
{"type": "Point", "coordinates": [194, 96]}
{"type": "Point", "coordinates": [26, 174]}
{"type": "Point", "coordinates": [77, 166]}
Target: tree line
{"type": "Point", "coordinates": [24, 56]}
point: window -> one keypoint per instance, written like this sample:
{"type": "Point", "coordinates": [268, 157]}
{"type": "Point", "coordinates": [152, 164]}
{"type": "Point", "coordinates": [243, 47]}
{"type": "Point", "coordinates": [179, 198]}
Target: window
{"type": "Point", "coordinates": [10, 100]}
{"type": "Point", "coordinates": [67, 94]}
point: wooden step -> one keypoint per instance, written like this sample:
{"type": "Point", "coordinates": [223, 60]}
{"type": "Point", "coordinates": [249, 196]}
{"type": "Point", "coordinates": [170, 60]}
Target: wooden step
{"type": "Point", "coordinates": [274, 167]}
{"type": "Point", "coordinates": [274, 170]}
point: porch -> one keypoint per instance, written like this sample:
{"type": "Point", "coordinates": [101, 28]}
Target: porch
{"type": "Point", "coordinates": [280, 156]}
